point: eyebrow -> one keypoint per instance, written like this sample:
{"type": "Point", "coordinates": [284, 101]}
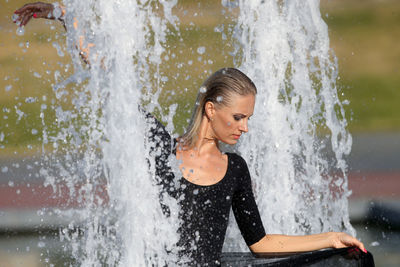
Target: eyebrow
{"type": "Point", "coordinates": [242, 115]}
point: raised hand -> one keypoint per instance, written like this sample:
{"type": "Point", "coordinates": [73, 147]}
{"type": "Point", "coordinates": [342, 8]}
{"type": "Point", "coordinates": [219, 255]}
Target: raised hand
{"type": "Point", "coordinates": [37, 10]}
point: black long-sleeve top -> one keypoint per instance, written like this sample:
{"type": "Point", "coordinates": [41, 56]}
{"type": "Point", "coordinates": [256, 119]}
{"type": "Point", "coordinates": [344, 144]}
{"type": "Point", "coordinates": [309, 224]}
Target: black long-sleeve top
{"type": "Point", "coordinates": [204, 210]}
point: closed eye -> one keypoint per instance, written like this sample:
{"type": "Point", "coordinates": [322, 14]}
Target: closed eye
{"type": "Point", "coordinates": [237, 118]}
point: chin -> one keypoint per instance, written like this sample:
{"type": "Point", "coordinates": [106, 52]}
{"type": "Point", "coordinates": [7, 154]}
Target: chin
{"type": "Point", "coordinates": [230, 142]}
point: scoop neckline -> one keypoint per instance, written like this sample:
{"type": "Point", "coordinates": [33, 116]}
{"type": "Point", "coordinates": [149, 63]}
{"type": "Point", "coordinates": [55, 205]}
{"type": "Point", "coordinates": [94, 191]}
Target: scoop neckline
{"type": "Point", "coordinates": [210, 185]}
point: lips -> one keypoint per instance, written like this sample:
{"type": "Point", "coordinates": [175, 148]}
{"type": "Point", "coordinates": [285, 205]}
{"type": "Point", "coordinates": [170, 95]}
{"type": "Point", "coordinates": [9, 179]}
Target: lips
{"type": "Point", "coordinates": [236, 136]}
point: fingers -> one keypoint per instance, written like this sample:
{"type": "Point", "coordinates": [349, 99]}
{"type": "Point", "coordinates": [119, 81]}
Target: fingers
{"type": "Point", "coordinates": [348, 240]}
{"type": "Point", "coordinates": [36, 10]}
{"type": "Point", "coordinates": [25, 19]}
{"type": "Point", "coordinates": [360, 245]}
{"type": "Point", "coordinates": [25, 8]}
{"type": "Point", "coordinates": [357, 243]}
{"type": "Point", "coordinates": [24, 15]}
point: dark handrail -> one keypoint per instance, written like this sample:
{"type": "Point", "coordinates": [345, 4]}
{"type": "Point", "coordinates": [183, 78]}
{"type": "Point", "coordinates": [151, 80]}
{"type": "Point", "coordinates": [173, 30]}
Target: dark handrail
{"type": "Point", "coordinates": [351, 256]}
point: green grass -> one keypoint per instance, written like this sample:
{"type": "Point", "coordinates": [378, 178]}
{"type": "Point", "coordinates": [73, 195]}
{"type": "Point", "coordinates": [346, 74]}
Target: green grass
{"type": "Point", "coordinates": [376, 101]}
{"type": "Point", "coordinates": [365, 35]}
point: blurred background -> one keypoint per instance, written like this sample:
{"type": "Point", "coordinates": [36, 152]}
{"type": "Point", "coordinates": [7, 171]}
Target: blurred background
{"type": "Point", "coordinates": [364, 34]}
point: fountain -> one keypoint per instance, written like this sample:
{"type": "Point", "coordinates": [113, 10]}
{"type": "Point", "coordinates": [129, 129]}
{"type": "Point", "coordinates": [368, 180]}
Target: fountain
{"type": "Point", "coordinates": [299, 179]}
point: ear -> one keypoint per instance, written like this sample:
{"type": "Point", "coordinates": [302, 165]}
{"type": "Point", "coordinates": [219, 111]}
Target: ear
{"type": "Point", "coordinates": [209, 109]}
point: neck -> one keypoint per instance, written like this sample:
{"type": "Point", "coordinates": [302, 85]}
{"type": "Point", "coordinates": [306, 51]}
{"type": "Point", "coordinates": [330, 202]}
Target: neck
{"type": "Point", "coordinates": [206, 140]}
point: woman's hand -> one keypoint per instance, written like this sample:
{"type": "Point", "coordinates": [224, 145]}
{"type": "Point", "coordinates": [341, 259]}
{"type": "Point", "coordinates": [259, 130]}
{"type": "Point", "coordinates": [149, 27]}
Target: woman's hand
{"type": "Point", "coordinates": [290, 243]}
{"type": "Point", "coordinates": [38, 10]}
{"type": "Point", "coordinates": [342, 240]}
{"type": "Point", "coordinates": [50, 11]}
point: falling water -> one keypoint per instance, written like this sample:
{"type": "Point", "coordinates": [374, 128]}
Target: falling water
{"type": "Point", "coordinates": [103, 166]}
{"type": "Point", "coordinates": [300, 181]}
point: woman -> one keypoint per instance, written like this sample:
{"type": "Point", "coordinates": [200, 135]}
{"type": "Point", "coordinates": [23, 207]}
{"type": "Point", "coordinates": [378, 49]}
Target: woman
{"type": "Point", "coordinates": [211, 182]}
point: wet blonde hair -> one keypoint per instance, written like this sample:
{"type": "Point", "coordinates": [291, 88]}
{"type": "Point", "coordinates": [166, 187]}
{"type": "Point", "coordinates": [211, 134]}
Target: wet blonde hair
{"type": "Point", "coordinates": [218, 89]}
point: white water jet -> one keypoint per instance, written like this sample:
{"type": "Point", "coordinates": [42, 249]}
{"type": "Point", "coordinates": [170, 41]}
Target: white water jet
{"type": "Point", "coordinates": [300, 183]}
{"type": "Point", "coordinates": [104, 165]}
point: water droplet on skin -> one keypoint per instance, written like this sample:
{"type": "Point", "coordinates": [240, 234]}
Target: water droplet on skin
{"type": "Point", "coordinates": [15, 17]}
{"type": "Point", "coordinates": [229, 124]}
{"type": "Point", "coordinates": [20, 31]}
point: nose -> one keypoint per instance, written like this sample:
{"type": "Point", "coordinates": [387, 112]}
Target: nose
{"type": "Point", "coordinates": [243, 126]}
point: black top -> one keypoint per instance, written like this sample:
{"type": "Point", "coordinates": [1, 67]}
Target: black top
{"type": "Point", "coordinates": [205, 210]}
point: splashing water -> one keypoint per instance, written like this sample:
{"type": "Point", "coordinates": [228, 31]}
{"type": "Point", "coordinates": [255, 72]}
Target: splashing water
{"type": "Point", "coordinates": [99, 152]}
{"type": "Point", "coordinates": [300, 182]}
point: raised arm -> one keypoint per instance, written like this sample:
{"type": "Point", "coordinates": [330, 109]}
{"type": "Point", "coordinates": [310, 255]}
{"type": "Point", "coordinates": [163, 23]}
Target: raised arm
{"type": "Point", "coordinates": [287, 243]}
{"type": "Point", "coordinates": [54, 12]}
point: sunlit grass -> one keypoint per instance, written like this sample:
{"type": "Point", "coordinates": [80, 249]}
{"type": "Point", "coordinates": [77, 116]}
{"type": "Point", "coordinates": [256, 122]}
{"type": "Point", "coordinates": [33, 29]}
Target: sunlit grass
{"type": "Point", "coordinates": [365, 35]}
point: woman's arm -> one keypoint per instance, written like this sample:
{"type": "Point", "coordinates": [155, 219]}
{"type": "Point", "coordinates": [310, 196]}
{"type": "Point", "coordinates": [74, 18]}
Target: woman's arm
{"type": "Point", "coordinates": [250, 224]}
{"type": "Point", "coordinates": [287, 243]}
{"type": "Point", "coordinates": [54, 12]}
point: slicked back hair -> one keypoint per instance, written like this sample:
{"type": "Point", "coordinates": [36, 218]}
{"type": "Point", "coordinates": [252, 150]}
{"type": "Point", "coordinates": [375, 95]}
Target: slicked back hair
{"type": "Point", "coordinates": [218, 89]}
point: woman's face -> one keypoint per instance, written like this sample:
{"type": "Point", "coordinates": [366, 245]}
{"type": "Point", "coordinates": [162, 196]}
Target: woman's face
{"type": "Point", "coordinates": [229, 122]}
